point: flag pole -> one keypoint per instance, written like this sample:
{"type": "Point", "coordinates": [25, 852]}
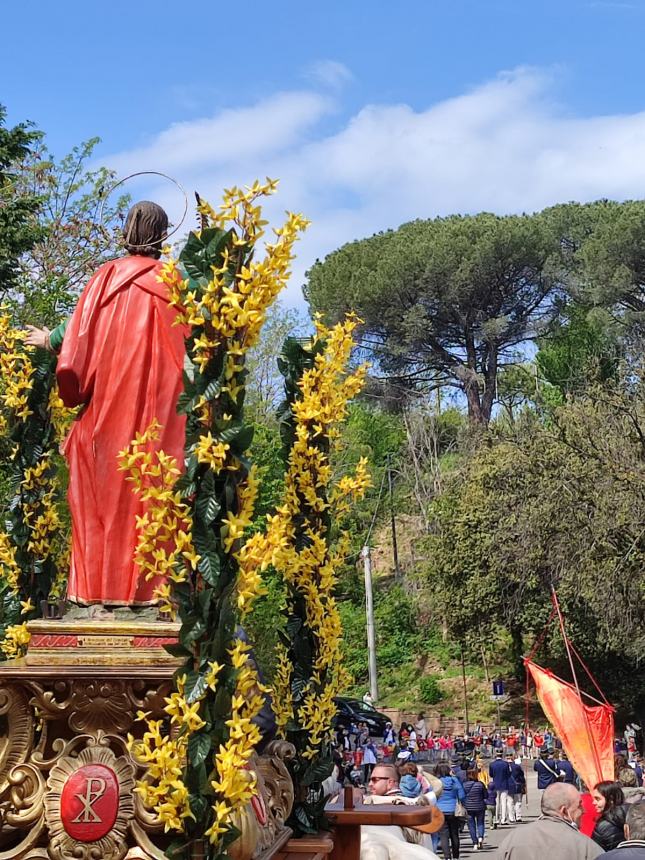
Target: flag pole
{"type": "Point", "coordinates": [592, 745]}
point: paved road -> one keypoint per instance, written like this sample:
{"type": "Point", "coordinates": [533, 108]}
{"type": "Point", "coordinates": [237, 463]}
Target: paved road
{"type": "Point", "coordinates": [494, 838]}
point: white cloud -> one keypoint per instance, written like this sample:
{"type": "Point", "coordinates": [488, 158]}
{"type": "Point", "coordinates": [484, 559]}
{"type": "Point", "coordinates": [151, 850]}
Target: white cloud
{"type": "Point", "coordinates": [232, 135]}
{"type": "Point", "coordinates": [329, 73]}
{"type": "Point", "coordinates": [505, 146]}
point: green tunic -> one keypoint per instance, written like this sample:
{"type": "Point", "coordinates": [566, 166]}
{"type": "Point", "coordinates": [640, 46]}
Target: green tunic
{"type": "Point", "coordinates": [56, 336]}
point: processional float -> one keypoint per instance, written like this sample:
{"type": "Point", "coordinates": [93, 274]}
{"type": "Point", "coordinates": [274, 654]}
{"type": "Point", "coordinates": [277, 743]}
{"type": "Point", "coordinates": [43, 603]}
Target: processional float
{"type": "Point", "coordinates": [119, 727]}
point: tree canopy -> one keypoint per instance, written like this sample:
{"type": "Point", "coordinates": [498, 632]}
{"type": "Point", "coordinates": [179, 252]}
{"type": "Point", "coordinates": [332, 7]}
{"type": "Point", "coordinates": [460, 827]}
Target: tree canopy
{"type": "Point", "coordinates": [445, 302]}
{"type": "Point", "coordinates": [18, 232]}
{"type": "Point", "coordinates": [559, 504]}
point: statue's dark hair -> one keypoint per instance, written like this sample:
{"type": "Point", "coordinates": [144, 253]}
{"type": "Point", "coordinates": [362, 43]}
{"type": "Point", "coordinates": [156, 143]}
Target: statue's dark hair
{"type": "Point", "coordinates": [145, 228]}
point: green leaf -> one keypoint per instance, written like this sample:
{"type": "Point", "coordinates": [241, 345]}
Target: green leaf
{"type": "Point", "coordinates": [209, 567]}
{"type": "Point", "coordinates": [222, 704]}
{"type": "Point", "coordinates": [185, 485]}
{"type": "Point", "coordinates": [306, 822]}
{"type": "Point", "coordinates": [191, 630]}
{"type": "Point", "coordinates": [192, 464]}
{"type": "Point", "coordinates": [213, 389]}
{"type": "Point", "coordinates": [231, 432]}
{"type": "Point", "coordinates": [207, 507]}
{"type": "Point", "coordinates": [198, 804]}
{"type": "Point", "coordinates": [195, 686]}
{"type": "Point", "coordinates": [199, 746]}
{"type": "Point", "coordinates": [317, 771]}
{"type": "Point", "coordinates": [205, 602]}
{"type": "Point", "coordinates": [294, 626]}
{"type": "Point", "coordinates": [207, 547]}
{"type": "Point", "coordinates": [177, 650]}
{"type": "Point", "coordinates": [201, 252]}
{"type": "Point", "coordinates": [243, 439]}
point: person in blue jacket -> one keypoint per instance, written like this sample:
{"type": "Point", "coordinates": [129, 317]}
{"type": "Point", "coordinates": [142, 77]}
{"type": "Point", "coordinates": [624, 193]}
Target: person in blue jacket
{"type": "Point", "coordinates": [475, 804]}
{"type": "Point", "coordinates": [458, 770]}
{"type": "Point", "coordinates": [453, 791]}
{"type": "Point", "coordinates": [500, 772]}
{"type": "Point", "coordinates": [547, 771]}
{"type": "Point", "coordinates": [565, 767]}
{"type": "Point", "coordinates": [516, 789]}
{"type": "Point", "coordinates": [491, 805]}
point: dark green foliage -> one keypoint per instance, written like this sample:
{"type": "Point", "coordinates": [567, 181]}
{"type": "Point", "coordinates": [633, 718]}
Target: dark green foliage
{"type": "Point", "coordinates": [18, 232]}
{"type": "Point", "coordinates": [78, 229]}
{"type": "Point", "coordinates": [430, 691]}
{"type": "Point", "coordinates": [581, 349]}
{"type": "Point", "coordinates": [265, 622]}
{"type": "Point", "coordinates": [559, 505]}
{"type": "Point", "coordinates": [603, 247]}
{"type": "Point", "coordinates": [447, 301]}
{"type": "Point", "coordinates": [33, 438]}
{"type": "Point", "coordinates": [292, 363]}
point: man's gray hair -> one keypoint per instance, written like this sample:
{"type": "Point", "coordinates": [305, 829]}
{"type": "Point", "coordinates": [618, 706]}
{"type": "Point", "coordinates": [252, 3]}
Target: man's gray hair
{"type": "Point", "coordinates": [636, 820]}
{"type": "Point", "coordinates": [556, 796]}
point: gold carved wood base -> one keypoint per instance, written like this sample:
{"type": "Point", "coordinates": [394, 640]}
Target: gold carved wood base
{"type": "Point", "coordinates": [67, 778]}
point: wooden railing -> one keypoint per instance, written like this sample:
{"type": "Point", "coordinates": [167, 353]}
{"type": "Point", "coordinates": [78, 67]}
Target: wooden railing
{"type": "Point", "coordinates": [344, 841]}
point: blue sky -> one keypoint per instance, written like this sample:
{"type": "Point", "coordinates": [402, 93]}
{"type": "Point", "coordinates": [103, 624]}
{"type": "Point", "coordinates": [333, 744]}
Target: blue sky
{"type": "Point", "coordinates": [371, 113]}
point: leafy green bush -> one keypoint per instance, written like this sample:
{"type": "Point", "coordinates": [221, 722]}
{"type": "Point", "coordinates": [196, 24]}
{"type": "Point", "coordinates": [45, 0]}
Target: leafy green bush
{"type": "Point", "coordinates": [430, 690]}
{"type": "Point", "coordinates": [392, 654]}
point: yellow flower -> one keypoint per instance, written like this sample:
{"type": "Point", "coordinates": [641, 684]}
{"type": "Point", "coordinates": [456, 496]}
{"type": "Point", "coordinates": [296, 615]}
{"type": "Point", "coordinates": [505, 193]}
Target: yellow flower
{"type": "Point", "coordinates": [213, 453]}
{"type": "Point", "coordinates": [214, 669]}
{"type": "Point", "coordinates": [26, 606]}
{"type": "Point", "coordinates": [16, 640]}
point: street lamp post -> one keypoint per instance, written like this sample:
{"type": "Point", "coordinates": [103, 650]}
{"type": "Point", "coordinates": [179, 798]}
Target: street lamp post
{"type": "Point", "coordinates": [371, 631]}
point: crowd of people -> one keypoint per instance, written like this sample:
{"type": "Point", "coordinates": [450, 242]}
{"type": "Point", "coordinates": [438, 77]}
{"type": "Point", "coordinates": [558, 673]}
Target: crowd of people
{"type": "Point", "coordinates": [464, 789]}
{"type": "Point", "coordinates": [474, 795]}
{"type": "Point", "coordinates": [431, 746]}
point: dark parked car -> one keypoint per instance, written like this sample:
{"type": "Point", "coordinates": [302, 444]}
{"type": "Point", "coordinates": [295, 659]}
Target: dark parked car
{"type": "Point", "coordinates": [354, 711]}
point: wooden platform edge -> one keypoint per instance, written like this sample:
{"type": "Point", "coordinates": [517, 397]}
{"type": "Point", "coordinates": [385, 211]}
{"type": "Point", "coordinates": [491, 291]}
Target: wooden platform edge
{"type": "Point", "coordinates": [307, 848]}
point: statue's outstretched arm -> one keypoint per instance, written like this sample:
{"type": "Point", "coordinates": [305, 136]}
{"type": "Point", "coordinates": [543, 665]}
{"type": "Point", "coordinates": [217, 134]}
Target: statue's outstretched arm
{"type": "Point", "coordinates": [38, 337]}
{"type": "Point", "coordinates": [46, 339]}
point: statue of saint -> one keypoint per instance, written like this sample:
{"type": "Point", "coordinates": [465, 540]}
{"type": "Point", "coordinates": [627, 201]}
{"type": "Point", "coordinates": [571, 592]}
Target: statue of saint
{"type": "Point", "coordinates": [121, 359]}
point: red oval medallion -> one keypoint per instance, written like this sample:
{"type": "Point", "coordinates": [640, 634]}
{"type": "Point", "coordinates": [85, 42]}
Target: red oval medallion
{"type": "Point", "coordinates": [89, 802]}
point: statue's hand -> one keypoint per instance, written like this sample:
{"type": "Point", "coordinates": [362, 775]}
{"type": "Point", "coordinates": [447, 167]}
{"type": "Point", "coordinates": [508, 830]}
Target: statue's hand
{"type": "Point", "coordinates": [38, 337]}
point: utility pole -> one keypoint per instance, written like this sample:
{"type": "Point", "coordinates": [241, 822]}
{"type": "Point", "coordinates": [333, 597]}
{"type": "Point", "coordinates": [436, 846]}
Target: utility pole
{"type": "Point", "coordinates": [371, 633]}
{"type": "Point", "coordinates": [463, 675]}
{"type": "Point", "coordinates": [395, 549]}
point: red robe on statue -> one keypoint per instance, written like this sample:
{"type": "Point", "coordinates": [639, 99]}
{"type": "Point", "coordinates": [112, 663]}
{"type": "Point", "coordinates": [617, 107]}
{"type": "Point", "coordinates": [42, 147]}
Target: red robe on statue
{"type": "Point", "coordinates": [123, 359]}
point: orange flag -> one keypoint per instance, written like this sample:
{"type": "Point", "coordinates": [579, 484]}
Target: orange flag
{"type": "Point", "coordinates": [586, 732]}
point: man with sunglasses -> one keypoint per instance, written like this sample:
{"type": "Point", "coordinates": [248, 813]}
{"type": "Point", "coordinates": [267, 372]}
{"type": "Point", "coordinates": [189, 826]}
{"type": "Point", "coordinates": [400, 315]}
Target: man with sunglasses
{"type": "Point", "coordinates": [384, 781]}
{"type": "Point", "coordinates": [400, 843]}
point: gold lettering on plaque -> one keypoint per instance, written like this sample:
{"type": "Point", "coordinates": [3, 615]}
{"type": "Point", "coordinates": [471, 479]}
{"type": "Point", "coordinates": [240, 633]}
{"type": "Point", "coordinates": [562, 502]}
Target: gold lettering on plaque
{"type": "Point", "coordinates": [105, 641]}
{"type": "Point", "coordinates": [94, 790]}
